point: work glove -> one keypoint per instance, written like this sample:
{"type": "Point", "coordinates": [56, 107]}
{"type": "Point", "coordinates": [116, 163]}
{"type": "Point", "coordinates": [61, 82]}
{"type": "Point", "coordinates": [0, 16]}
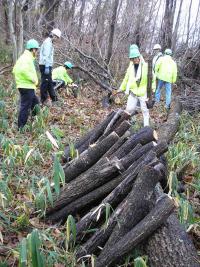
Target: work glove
{"type": "Point", "coordinates": [46, 71]}
{"type": "Point", "coordinates": [74, 85]}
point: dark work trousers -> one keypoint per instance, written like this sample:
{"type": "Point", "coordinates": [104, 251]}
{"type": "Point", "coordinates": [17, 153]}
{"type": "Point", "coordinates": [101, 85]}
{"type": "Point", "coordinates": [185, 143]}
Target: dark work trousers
{"type": "Point", "coordinates": [28, 101]}
{"type": "Point", "coordinates": [46, 85]}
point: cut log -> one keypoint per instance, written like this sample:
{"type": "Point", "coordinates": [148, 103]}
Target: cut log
{"type": "Point", "coordinates": [156, 217]}
{"type": "Point", "coordinates": [170, 244]}
{"type": "Point", "coordinates": [161, 148]}
{"type": "Point", "coordinates": [90, 198]}
{"type": "Point", "coordinates": [90, 138]}
{"type": "Point", "coordinates": [109, 127]}
{"type": "Point", "coordinates": [138, 198]}
{"type": "Point", "coordinates": [101, 236]}
{"type": "Point", "coordinates": [144, 136]}
{"type": "Point", "coordinates": [134, 155]}
{"type": "Point", "coordinates": [117, 120]}
{"type": "Point", "coordinates": [167, 131]}
{"type": "Point", "coordinates": [125, 116]}
{"type": "Point", "coordinates": [127, 215]}
{"type": "Point", "coordinates": [116, 146]}
{"type": "Point", "coordinates": [86, 183]}
{"type": "Point", "coordinates": [122, 128]}
{"type": "Point", "coordinates": [118, 194]}
{"type": "Point", "coordinates": [89, 157]}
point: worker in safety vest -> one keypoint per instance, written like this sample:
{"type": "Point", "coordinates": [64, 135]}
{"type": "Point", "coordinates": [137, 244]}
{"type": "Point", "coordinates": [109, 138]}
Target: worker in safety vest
{"type": "Point", "coordinates": [166, 72]}
{"type": "Point", "coordinates": [26, 80]}
{"type": "Point", "coordinates": [61, 77]}
{"type": "Point", "coordinates": [45, 64]}
{"type": "Point", "coordinates": [135, 84]}
{"type": "Point", "coordinates": [156, 55]}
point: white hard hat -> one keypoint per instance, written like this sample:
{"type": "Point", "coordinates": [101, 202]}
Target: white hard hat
{"type": "Point", "coordinates": [56, 32]}
{"type": "Point", "coordinates": [157, 46]}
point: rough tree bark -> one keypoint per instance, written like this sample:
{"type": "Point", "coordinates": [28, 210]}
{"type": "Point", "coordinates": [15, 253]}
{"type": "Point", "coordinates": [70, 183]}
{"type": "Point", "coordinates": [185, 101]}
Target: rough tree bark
{"type": "Point", "coordinates": [86, 182]}
{"type": "Point", "coordinates": [135, 207]}
{"type": "Point", "coordinates": [144, 136]}
{"type": "Point", "coordinates": [112, 31]}
{"type": "Point", "coordinates": [170, 244]}
{"type": "Point", "coordinates": [155, 218]}
{"type": "Point", "coordinates": [167, 25]}
{"type": "Point", "coordinates": [86, 200]}
{"type": "Point", "coordinates": [175, 33]}
{"type": "Point", "coordinates": [167, 131]}
{"type": "Point", "coordinates": [11, 29]}
{"type": "Point", "coordinates": [89, 157]}
{"type": "Point", "coordinates": [118, 194]}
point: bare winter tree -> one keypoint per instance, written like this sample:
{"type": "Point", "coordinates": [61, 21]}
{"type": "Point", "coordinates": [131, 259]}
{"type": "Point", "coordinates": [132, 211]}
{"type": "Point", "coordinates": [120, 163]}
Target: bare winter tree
{"type": "Point", "coordinates": [167, 25]}
{"type": "Point", "coordinates": [175, 33]}
{"type": "Point", "coordinates": [97, 33]}
{"type": "Point", "coordinates": [112, 30]}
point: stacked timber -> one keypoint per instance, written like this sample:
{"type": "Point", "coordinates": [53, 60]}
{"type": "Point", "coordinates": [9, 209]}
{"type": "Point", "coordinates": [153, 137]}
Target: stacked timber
{"type": "Point", "coordinates": [117, 170]}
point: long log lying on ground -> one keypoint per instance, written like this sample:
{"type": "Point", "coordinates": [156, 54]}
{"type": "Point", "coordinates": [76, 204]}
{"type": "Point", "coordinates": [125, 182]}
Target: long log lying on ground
{"type": "Point", "coordinates": [89, 138]}
{"type": "Point", "coordinates": [134, 155]}
{"type": "Point", "coordinates": [87, 182]}
{"type": "Point", "coordinates": [82, 202]}
{"type": "Point", "coordinates": [89, 157]}
{"type": "Point", "coordinates": [170, 244]}
{"type": "Point", "coordinates": [118, 194]}
{"type": "Point", "coordinates": [144, 136]}
{"type": "Point", "coordinates": [122, 128]}
{"type": "Point", "coordinates": [167, 131]}
{"type": "Point", "coordinates": [116, 146]}
{"type": "Point", "coordinates": [124, 219]}
{"type": "Point", "coordinates": [156, 217]}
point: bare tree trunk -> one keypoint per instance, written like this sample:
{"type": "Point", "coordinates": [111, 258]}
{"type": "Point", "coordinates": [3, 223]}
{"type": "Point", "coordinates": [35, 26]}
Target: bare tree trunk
{"type": "Point", "coordinates": [188, 24]}
{"type": "Point", "coordinates": [112, 31]}
{"type": "Point", "coordinates": [166, 36]}
{"type": "Point", "coordinates": [4, 16]}
{"type": "Point", "coordinates": [196, 21]}
{"type": "Point", "coordinates": [81, 15]}
{"type": "Point", "coordinates": [11, 29]}
{"type": "Point", "coordinates": [137, 34]}
{"type": "Point", "coordinates": [175, 33]}
{"type": "Point", "coordinates": [21, 31]}
{"type": "Point", "coordinates": [154, 25]}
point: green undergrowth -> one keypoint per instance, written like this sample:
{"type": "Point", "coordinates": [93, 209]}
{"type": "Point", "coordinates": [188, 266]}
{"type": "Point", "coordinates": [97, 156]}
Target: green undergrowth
{"type": "Point", "coordinates": [184, 170]}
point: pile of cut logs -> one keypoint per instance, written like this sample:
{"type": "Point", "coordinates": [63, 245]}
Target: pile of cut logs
{"type": "Point", "coordinates": [114, 187]}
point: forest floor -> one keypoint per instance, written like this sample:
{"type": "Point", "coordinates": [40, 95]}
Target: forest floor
{"type": "Point", "coordinates": [28, 162]}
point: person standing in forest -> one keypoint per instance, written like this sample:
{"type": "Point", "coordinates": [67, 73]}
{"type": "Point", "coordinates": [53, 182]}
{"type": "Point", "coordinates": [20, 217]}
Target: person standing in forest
{"type": "Point", "coordinates": [156, 55]}
{"type": "Point", "coordinates": [45, 64]}
{"type": "Point", "coordinates": [135, 84]}
{"type": "Point", "coordinates": [166, 72]}
{"type": "Point", "coordinates": [26, 80]}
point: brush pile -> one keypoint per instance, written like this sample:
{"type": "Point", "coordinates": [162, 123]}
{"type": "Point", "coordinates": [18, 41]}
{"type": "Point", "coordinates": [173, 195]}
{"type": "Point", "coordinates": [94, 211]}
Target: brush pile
{"type": "Point", "coordinates": [190, 99]}
{"type": "Point", "coordinates": [110, 187]}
